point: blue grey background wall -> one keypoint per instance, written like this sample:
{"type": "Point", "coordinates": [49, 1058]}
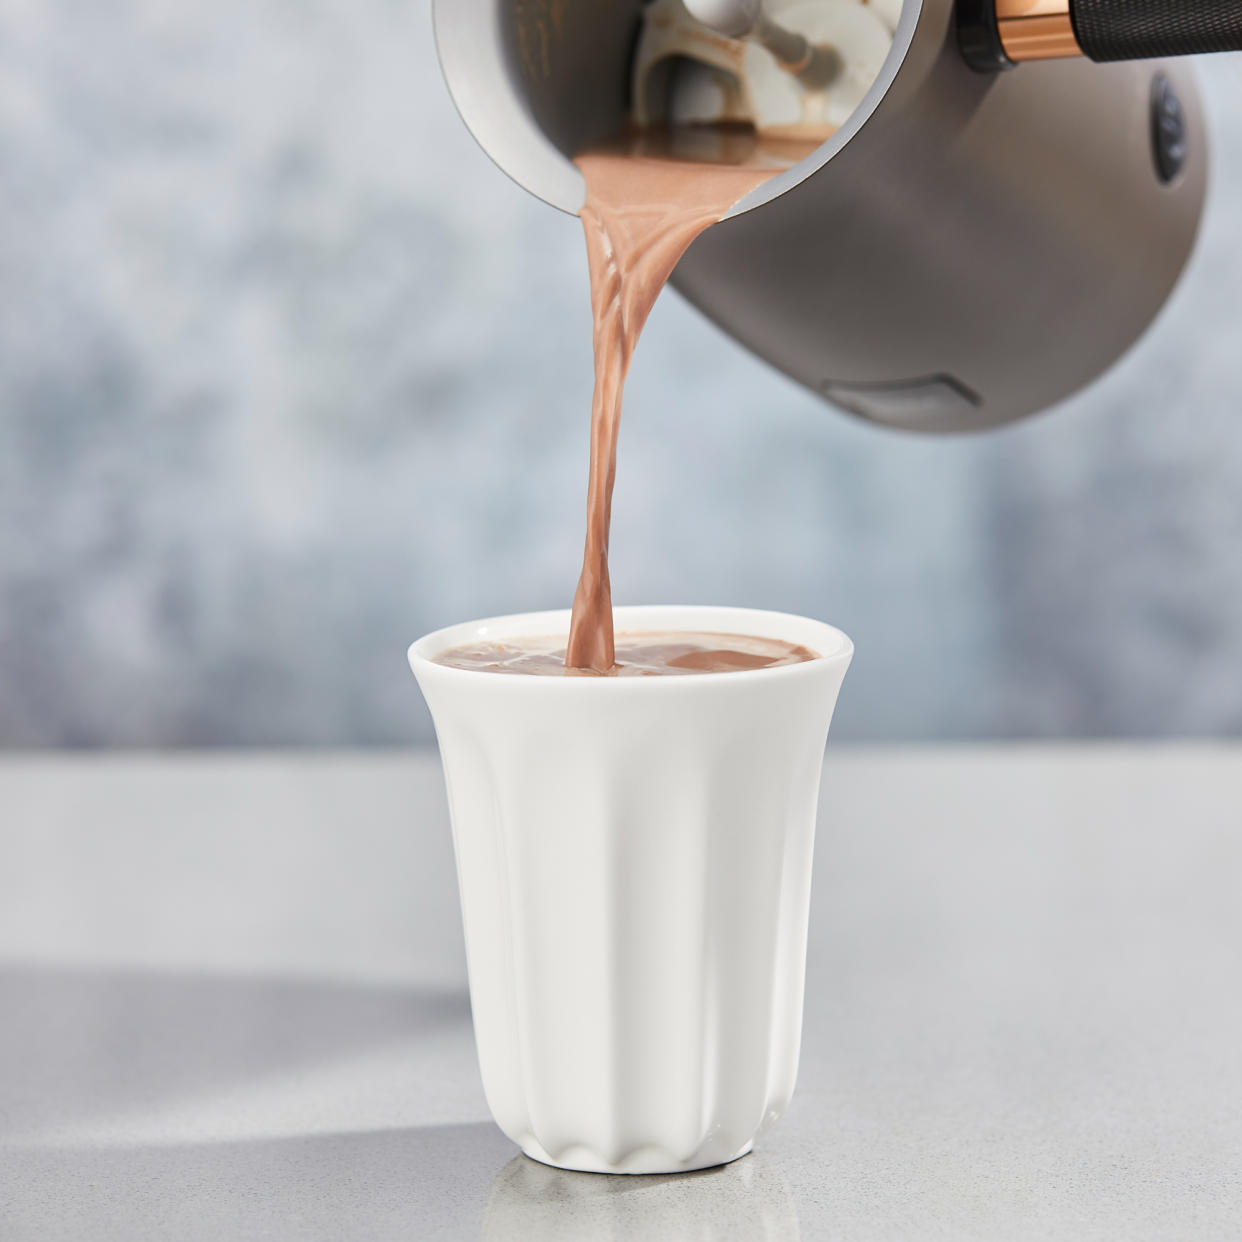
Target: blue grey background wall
{"type": "Point", "coordinates": [289, 374]}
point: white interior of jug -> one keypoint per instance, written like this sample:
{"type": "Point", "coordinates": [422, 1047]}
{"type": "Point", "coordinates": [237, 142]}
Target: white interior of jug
{"type": "Point", "coordinates": [538, 81]}
{"type": "Point", "coordinates": [686, 73]}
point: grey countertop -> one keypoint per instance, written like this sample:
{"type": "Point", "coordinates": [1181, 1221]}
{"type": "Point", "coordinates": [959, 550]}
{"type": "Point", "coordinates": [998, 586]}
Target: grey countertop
{"type": "Point", "coordinates": [233, 1006]}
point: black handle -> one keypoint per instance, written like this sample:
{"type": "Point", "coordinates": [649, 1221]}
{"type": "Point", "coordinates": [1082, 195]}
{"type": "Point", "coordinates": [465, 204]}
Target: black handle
{"type": "Point", "coordinates": [1101, 30]}
{"type": "Point", "coordinates": [1139, 29]}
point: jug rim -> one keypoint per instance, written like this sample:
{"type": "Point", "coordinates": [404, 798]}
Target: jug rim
{"type": "Point", "coordinates": [470, 50]}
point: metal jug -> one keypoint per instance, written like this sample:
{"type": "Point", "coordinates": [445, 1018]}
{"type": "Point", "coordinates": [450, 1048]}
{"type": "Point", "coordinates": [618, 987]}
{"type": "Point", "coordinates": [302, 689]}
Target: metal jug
{"type": "Point", "coordinates": [976, 241]}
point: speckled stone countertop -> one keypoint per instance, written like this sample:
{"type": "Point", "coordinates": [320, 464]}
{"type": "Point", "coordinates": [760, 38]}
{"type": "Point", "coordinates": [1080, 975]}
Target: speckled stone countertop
{"type": "Point", "coordinates": [232, 1006]}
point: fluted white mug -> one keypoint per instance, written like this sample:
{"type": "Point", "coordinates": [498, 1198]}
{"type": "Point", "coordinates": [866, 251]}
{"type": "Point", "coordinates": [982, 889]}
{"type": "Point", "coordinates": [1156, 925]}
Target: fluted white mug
{"type": "Point", "coordinates": [634, 859]}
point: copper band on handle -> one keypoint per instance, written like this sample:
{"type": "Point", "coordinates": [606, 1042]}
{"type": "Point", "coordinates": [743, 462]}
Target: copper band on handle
{"type": "Point", "coordinates": [1036, 29]}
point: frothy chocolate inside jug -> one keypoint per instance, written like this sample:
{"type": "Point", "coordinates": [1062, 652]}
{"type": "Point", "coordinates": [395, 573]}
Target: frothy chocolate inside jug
{"type": "Point", "coordinates": [648, 198]}
{"type": "Point", "coordinates": [639, 654]}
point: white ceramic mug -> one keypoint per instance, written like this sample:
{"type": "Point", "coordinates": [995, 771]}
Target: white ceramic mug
{"type": "Point", "coordinates": [634, 857]}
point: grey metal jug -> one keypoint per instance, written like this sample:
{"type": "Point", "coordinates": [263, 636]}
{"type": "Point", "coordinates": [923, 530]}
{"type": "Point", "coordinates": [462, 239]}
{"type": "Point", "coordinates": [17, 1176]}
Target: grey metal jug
{"type": "Point", "coordinates": [974, 244]}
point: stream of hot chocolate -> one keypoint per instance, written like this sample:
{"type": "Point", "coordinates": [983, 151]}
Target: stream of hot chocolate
{"type": "Point", "coordinates": [647, 199]}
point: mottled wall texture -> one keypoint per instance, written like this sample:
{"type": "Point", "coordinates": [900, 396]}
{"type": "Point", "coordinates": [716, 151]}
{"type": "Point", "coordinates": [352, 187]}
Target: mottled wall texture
{"type": "Point", "coordinates": [289, 374]}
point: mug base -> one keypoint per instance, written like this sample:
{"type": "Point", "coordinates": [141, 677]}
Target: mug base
{"type": "Point", "coordinates": [643, 1163]}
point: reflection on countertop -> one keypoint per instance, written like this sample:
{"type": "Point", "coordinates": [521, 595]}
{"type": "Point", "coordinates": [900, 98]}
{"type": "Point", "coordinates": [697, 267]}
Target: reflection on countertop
{"type": "Point", "coordinates": [748, 1199]}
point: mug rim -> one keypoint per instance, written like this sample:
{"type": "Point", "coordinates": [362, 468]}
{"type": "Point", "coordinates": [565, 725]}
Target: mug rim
{"type": "Point", "coordinates": [834, 648]}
